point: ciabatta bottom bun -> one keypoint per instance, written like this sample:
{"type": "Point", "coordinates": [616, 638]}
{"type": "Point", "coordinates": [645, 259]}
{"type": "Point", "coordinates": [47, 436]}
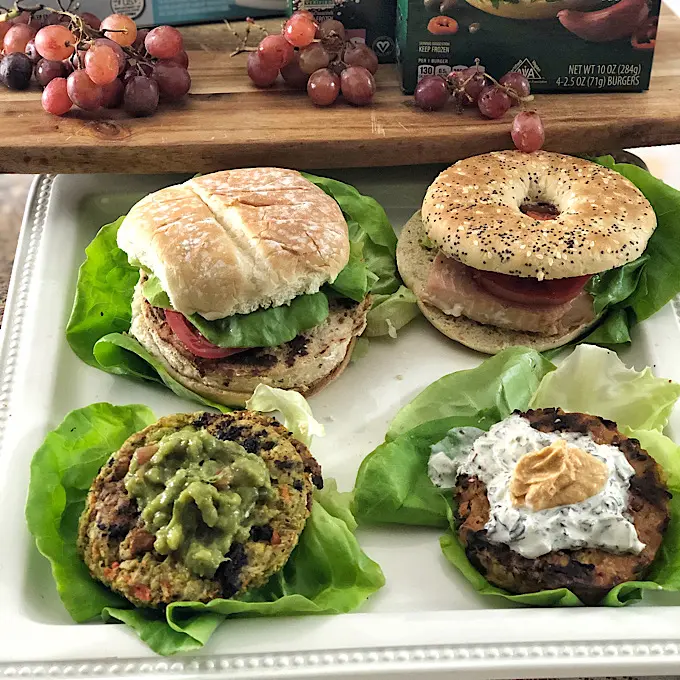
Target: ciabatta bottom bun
{"type": "Point", "coordinates": [414, 261]}
{"type": "Point", "coordinates": [306, 364]}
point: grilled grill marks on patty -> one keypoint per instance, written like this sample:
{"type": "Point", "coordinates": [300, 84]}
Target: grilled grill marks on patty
{"type": "Point", "coordinates": [589, 573]}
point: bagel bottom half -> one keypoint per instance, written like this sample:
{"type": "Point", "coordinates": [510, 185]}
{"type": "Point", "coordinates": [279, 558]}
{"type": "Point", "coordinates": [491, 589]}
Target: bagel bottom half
{"type": "Point", "coordinates": [306, 364]}
{"type": "Point", "coordinates": [414, 260]}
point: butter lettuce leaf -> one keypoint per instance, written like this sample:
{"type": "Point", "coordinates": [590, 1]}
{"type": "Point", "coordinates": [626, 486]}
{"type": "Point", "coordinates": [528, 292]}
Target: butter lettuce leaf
{"type": "Point", "coordinates": [637, 290]}
{"type": "Point", "coordinates": [393, 486]}
{"type": "Point", "coordinates": [327, 573]}
{"type": "Point", "coordinates": [607, 388]}
{"type": "Point", "coordinates": [296, 413]}
{"type": "Point", "coordinates": [391, 312]}
{"type": "Point", "coordinates": [370, 229]}
{"type": "Point", "coordinates": [493, 390]}
{"type": "Point", "coordinates": [265, 327]}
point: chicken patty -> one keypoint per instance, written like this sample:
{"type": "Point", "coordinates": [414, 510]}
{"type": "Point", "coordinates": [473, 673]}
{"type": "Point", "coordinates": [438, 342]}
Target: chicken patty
{"type": "Point", "coordinates": [589, 573]}
{"type": "Point", "coordinates": [119, 550]}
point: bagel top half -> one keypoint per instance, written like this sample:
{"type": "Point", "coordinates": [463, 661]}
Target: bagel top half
{"type": "Point", "coordinates": [472, 213]}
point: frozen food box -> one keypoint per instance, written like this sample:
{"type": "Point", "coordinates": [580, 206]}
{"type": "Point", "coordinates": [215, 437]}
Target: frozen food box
{"type": "Point", "coordinates": [560, 45]}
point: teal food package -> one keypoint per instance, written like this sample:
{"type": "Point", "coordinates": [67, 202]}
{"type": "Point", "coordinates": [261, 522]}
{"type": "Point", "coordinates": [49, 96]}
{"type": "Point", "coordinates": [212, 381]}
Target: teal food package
{"type": "Point", "coordinates": [176, 12]}
{"type": "Point", "coordinates": [559, 45]}
{"type": "Point", "coordinates": [367, 21]}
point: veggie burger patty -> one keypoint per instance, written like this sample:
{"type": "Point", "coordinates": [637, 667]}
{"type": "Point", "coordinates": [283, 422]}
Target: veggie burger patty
{"type": "Point", "coordinates": [121, 549]}
{"type": "Point", "coordinates": [589, 573]}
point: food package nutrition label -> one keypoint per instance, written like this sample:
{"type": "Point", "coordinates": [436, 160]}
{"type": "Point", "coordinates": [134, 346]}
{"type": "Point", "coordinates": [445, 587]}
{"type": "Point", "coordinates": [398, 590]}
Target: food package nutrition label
{"type": "Point", "coordinates": [600, 76]}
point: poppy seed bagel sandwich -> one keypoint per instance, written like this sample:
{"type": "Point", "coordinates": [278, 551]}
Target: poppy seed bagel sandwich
{"type": "Point", "coordinates": [235, 289]}
{"type": "Point", "coordinates": [508, 243]}
{"type": "Point", "coordinates": [196, 507]}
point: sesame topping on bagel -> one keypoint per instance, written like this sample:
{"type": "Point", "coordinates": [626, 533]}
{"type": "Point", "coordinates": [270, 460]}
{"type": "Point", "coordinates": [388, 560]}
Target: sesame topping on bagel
{"type": "Point", "coordinates": [596, 219]}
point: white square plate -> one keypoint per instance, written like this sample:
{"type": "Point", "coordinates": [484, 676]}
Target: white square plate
{"type": "Point", "coordinates": [427, 618]}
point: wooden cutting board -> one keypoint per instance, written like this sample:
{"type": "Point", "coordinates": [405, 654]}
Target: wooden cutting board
{"type": "Point", "coordinates": [226, 122]}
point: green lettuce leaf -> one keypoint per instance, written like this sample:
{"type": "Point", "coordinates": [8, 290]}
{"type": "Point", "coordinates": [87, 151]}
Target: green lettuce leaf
{"type": "Point", "coordinates": [295, 409]}
{"type": "Point", "coordinates": [327, 573]}
{"type": "Point", "coordinates": [370, 230]}
{"type": "Point", "coordinates": [607, 388]}
{"type": "Point", "coordinates": [368, 227]}
{"type": "Point", "coordinates": [265, 327]}
{"type": "Point", "coordinates": [62, 471]}
{"type": "Point", "coordinates": [391, 312]}
{"type": "Point", "coordinates": [122, 354]}
{"type": "Point", "coordinates": [154, 293]}
{"type": "Point", "coordinates": [393, 485]}
{"type": "Point", "coordinates": [103, 301]}
{"type": "Point", "coordinates": [261, 328]}
{"type": "Point", "coordinates": [637, 290]}
{"type": "Point", "coordinates": [356, 279]}
{"type": "Point", "coordinates": [493, 390]}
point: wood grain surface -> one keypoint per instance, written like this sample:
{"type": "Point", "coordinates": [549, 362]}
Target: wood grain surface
{"type": "Point", "coordinates": [226, 122]}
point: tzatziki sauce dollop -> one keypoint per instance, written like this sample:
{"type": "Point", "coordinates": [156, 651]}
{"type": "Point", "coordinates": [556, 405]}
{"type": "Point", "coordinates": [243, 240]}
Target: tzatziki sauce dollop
{"type": "Point", "coordinates": [601, 521]}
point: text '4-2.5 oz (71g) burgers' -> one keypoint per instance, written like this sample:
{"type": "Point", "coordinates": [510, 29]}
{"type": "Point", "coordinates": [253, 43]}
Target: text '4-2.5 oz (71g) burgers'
{"type": "Point", "coordinates": [231, 270]}
{"type": "Point", "coordinates": [509, 244]}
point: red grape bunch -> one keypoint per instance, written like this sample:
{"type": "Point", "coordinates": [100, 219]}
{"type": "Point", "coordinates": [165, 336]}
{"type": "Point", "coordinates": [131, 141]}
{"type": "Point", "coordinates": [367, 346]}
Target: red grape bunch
{"type": "Point", "coordinates": [318, 58]}
{"type": "Point", "coordinates": [494, 98]}
{"type": "Point", "coordinates": [92, 64]}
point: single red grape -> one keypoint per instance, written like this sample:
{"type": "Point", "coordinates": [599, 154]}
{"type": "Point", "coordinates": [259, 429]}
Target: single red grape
{"type": "Point", "coordinates": [262, 75]}
{"type": "Point", "coordinates": [494, 102]}
{"type": "Point", "coordinates": [299, 31]}
{"type": "Point", "coordinates": [361, 55]}
{"type": "Point", "coordinates": [323, 87]}
{"type": "Point", "coordinates": [17, 37]}
{"type": "Point", "coordinates": [164, 42]}
{"type": "Point", "coordinates": [120, 28]}
{"type": "Point", "coordinates": [112, 94]}
{"type": "Point", "coordinates": [141, 96]}
{"type": "Point", "coordinates": [293, 75]}
{"type": "Point", "coordinates": [527, 131]}
{"type": "Point", "coordinates": [46, 71]}
{"type": "Point", "coordinates": [275, 51]}
{"type": "Point", "coordinates": [118, 50]}
{"type": "Point", "coordinates": [357, 85]}
{"type": "Point", "coordinates": [83, 92]}
{"type": "Point", "coordinates": [91, 20]}
{"type": "Point", "coordinates": [173, 80]}
{"type": "Point", "coordinates": [517, 84]}
{"type": "Point", "coordinates": [55, 97]}
{"type": "Point", "coordinates": [431, 93]}
{"type": "Point", "coordinates": [313, 57]}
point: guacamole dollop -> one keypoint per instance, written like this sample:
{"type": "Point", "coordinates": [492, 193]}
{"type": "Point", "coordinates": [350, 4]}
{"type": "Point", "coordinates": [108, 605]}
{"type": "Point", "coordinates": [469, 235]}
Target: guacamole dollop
{"type": "Point", "coordinates": [198, 494]}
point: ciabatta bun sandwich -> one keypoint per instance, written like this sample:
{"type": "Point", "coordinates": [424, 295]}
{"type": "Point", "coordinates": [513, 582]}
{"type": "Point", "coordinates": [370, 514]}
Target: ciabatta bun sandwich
{"type": "Point", "coordinates": [507, 242]}
{"type": "Point", "coordinates": [231, 268]}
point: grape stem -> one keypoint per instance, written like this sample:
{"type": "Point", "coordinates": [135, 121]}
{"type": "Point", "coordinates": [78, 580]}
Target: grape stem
{"type": "Point", "coordinates": [84, 33]}
{"type": "Point", "coordinates": [243, 39]}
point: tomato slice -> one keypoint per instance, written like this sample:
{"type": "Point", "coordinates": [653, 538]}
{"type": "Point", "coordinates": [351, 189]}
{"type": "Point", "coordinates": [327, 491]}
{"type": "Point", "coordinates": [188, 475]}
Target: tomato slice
{"type": "Point", "coordinates": [526, 291]}
{"type": "Point", "coordinates": [194, 341]}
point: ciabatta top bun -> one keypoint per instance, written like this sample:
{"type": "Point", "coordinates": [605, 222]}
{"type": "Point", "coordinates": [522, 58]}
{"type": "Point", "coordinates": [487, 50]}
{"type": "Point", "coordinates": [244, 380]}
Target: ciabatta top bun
{"type": "Point", "coordinates": [233, 241]}
{"type": "Point", "coordinates": [472, 213]}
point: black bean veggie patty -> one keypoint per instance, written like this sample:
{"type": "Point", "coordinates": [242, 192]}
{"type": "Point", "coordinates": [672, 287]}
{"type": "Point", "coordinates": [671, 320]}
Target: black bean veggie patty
{"type": "Point", "coordinates": [589, 573]}
{"type": "Point", "coordinates": [119, 552]}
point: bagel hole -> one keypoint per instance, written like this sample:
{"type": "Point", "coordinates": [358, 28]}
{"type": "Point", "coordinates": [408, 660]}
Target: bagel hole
{"type": "Point", "coordinates": [540, 210]}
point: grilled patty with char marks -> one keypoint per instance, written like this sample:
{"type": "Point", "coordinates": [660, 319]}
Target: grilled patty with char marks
{"type": "Point", "coordinates": [118, 550]}
{"type": "Point", "coordinates": [589, 573]}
